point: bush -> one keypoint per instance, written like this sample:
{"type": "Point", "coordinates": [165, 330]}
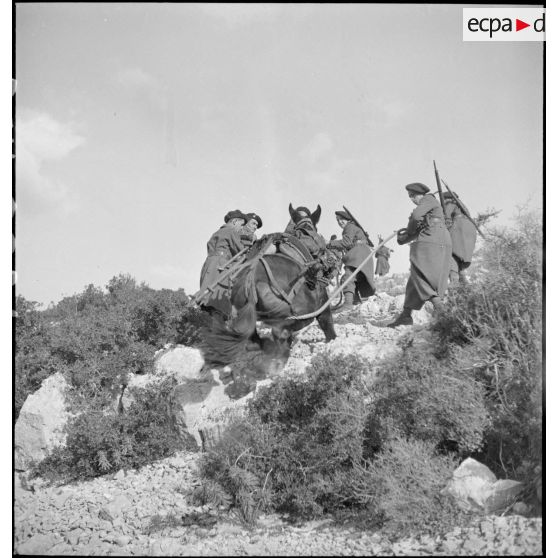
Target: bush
{"type": "Point", "coordinates": [99, 442]}
{"type": "Point", "coordinates": [419, 396]}
{"type": "Point", "coordinates": [403, 488]}
{"type": "Point", "coordinates": [96, 339]}
{"type": "Point", "coordinates": [493, 329]}
{"type": "Point", "coordinates": [33, 362]}
{"type": "Point", "coordinates": [295, 450]}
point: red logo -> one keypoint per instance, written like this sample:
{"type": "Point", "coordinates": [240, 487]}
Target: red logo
{"type": "Point", "coordinates": [519, 25]}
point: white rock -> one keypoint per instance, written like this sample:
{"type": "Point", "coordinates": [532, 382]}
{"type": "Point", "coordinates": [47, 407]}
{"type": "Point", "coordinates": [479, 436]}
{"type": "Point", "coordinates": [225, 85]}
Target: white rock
{"type": "Point", "coordinates": [37, 544]}
{"type": "Point", "coordinates": [184, 363]}
{"type": "Point", "coordinates": [123, 540]}
{"type": "Point", "coordinates": [470, 485]}
{"type": "Point", "coordinates": [117, 507]}
{"type": "Point", "coordinates": [40, 425]}
{"type": "Point", "coordinates": [502, 494]}
{"type": "Point", "coordinates": [472, 468]}
{"type": "Point", "coordinates": [120, 475]}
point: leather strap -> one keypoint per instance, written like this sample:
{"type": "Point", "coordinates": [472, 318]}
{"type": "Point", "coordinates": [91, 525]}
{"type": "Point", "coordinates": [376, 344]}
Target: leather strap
{"type": "Point", "coordinates": [275, 284]}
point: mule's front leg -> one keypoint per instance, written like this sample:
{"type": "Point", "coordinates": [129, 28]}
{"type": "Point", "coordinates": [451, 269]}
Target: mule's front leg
{"type": "Point", "coordinates": [283, 340]}
{"type": "Point", "coordinates": [325, 321]}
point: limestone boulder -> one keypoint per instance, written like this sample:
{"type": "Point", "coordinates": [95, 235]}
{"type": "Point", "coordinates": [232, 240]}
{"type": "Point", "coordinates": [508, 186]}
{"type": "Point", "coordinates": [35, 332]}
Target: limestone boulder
{"type": "Point", "coordinates": [472, 468]}
{"type": "Point", "coordinates": [201, 408]}
{"type": "Point", "coordinates": [40, 425]}
{"type": "Point", "coordinates": [470, 485]}
{"type": "Point", "coordinates": [503, 494]}
{"type": "Point", "coordinates": [184, 363]}
{"type": "Point", "coordinates": [476, 488]}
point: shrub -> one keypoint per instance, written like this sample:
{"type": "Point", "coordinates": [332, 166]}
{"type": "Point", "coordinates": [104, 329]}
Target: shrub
{"type": "Point", "coordinates": [403, 488]}
{"type": "Point", "coordinates": [494, 329]}
{"type": "Point", "coordinates": [419, 396]}
{"type": "Point", "coordinates": [295, 449]}
{"type": "Point", "coordinates": [99, 442]}
{"type": "Point", "coordinates": [34, 361]}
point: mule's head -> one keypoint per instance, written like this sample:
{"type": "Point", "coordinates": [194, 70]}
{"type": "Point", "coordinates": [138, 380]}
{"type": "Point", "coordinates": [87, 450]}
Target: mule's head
{"type": "Point", "coordinates": [302, 212]}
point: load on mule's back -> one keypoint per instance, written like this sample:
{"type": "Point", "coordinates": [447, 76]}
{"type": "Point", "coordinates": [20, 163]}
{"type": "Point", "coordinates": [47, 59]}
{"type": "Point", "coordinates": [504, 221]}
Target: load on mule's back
{"type": "Point", "coordinates": [284, 275]}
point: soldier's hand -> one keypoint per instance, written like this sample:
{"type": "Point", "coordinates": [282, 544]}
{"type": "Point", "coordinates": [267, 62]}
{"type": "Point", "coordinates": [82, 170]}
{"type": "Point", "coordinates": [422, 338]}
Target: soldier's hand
{"type": "Point", "coordinates": [401, 236]}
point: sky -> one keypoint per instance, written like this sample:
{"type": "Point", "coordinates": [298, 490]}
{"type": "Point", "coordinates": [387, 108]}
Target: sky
{"type": "Point", "coordinates": [138, 126]}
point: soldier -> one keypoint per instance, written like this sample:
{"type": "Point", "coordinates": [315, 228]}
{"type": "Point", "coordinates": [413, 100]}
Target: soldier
{"type": "Point", "coordinates": [221, 247]}
{"type": "Point", "coordinates": [463, 238]}
{"type": "Point", "coordinates": [382, 256]}
{"type": "Point", "coordinates": [303, 212]}
{"type": "Point", "coordinates": [430, 253]}
{"type": "Point", "coordinates": [355, 247]}
{"type": "Point", "coordinates": [248, 231]}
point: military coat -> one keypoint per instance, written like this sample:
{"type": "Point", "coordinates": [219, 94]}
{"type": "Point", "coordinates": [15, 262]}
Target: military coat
{"type": "Point", "coordinates": [430, 253]}
{"type": "Point", "coordinates": [221, 247]}
{"type": "Point", "coordinates": [355, 246]}
{"type": "Point", "coordinates": [247, 237]}
{"type": "Point", "coordinates": [463, 234]}
{"type": "Point", "coordinates": [382, 264]}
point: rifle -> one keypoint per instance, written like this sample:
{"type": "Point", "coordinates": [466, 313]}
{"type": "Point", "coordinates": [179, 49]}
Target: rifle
{"type": "Point", "coordinates": [463, 209]}
{"type": "Point", "coordinates": [224, 273]}
{"type": "Point", "coordinates": [440, 192]}
{"type": "Point", "coordinates": [370, 243]}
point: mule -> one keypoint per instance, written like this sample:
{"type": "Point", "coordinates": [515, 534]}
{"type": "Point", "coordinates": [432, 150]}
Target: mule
{"type": "Point", "coordinates": [271, 289]}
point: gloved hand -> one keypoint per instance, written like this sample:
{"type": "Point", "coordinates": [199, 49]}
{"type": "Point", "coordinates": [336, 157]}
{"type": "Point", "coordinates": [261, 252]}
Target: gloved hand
{"type": "Point", "coordinates": [402, 236]}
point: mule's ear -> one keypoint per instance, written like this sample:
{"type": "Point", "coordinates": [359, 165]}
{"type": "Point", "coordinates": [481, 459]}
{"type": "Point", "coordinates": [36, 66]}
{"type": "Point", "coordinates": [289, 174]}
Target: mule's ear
{"type": "Point", "coordinates": [316, 215]}
{"type": "Point", "coordinates": [292, 212]}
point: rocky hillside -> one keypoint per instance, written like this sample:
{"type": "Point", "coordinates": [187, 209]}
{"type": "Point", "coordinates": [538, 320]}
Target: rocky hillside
{"type": "Point", "coordinates": [149, 512]}
{"type": "Point", "coordinates": [146, 513]}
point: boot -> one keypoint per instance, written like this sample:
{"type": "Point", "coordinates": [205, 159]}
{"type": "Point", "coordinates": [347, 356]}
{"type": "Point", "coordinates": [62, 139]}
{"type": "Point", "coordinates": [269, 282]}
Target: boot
{"type": "Point", "coordinates": [347, 302]}
{"type": "Point", "coordinates": [405, 318]}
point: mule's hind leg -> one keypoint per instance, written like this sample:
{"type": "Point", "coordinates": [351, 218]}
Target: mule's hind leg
{"type": "Point", "coordinates": [325, 321]}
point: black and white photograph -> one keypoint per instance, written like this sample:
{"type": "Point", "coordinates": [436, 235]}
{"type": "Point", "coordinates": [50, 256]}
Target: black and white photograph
{"type": "Point", "coordinates": [279, 279]}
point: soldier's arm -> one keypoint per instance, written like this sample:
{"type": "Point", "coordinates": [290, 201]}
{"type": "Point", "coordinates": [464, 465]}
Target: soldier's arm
{"type": "Point", "coordinates": [427, 204]}
{"type": "Point", "coordinates": [235, 242]}
{"type": "Point", "coordinates": [347, 242]}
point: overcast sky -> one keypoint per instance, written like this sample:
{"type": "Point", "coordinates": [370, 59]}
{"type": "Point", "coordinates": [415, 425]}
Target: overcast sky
{"type": "Point", "coordinates": [140, 126]}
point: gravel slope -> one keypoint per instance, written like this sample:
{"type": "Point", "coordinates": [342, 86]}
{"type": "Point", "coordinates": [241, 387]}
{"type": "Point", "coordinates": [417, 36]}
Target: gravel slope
{"type": "Point", "coordinates": [117, 515]}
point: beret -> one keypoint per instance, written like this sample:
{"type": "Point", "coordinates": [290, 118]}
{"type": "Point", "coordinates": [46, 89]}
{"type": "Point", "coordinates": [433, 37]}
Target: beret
{"type": "Point", "coordinates": [343, 215]}
{"type": "Point", "coordinates": [234, 214]}
{"type": "Point", "coordinates": [417, 188]}
{"type": "Point", "coordinates": [255, 217]}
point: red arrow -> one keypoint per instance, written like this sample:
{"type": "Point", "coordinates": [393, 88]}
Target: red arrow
{"type": "Point", "coordinates": [519, 25]}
